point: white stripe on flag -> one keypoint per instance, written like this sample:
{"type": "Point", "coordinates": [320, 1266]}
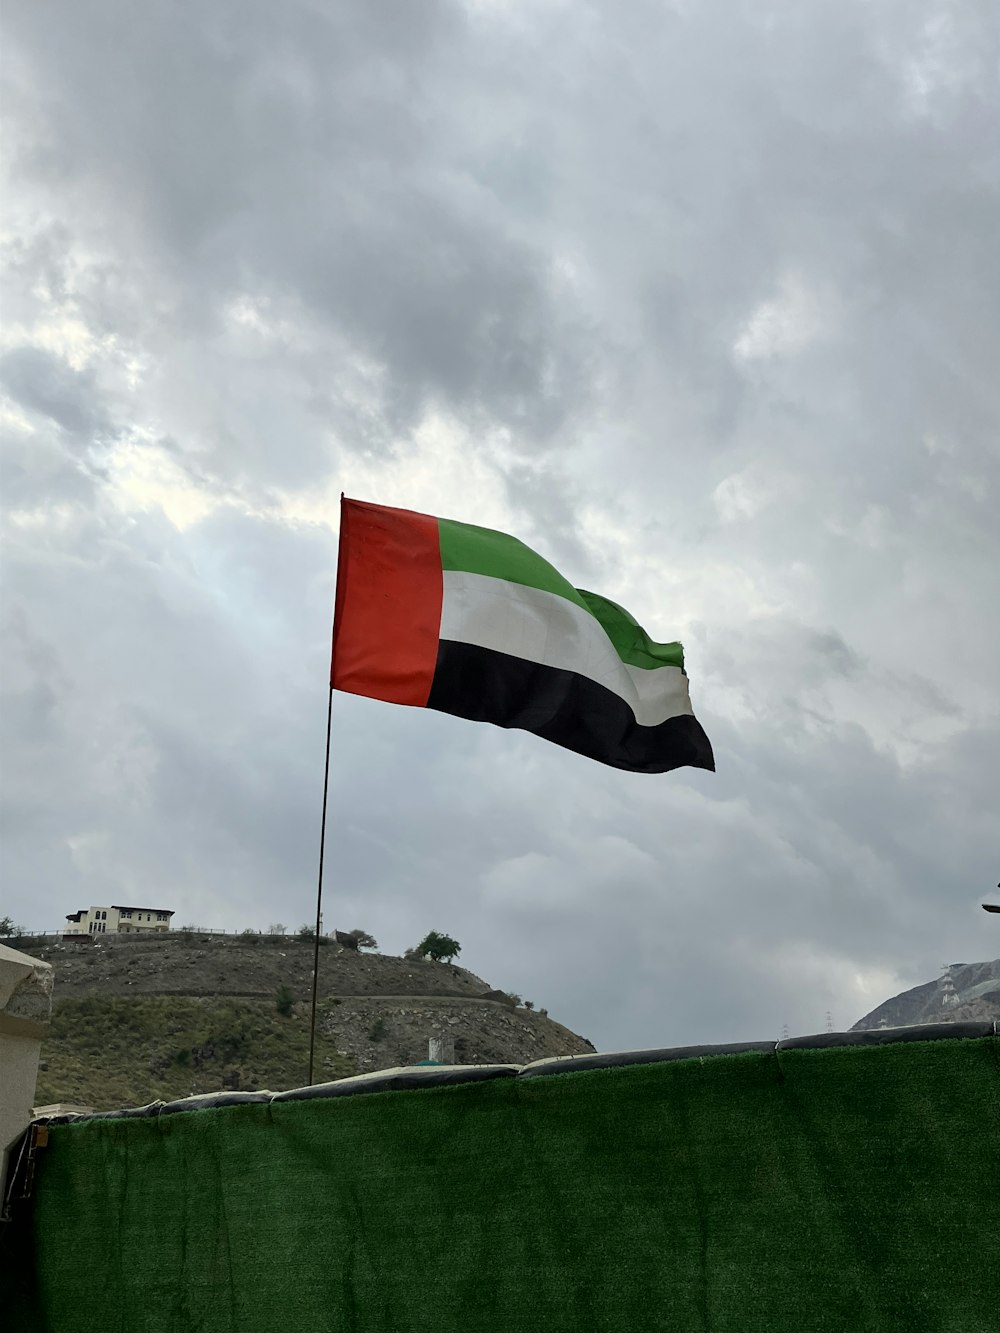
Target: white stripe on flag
{"type": "Point", "coordinates": [545, 628]}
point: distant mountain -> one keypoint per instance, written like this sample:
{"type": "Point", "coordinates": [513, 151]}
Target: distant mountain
{"type": "Point", "coordinates": [966, 991]}
{"type": "Point", "coordinates": [140, 1019]}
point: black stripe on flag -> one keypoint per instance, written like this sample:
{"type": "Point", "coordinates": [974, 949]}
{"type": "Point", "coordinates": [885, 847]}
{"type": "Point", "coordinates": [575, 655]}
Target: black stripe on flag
{"type": "Point", "coordinates": [563, 707]}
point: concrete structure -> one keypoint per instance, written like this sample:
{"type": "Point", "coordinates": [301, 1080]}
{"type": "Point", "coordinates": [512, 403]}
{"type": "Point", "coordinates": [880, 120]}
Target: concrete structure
{"type": "Point", "coordinates": [441, 1050]}
{"type": "Point", "coordinates": [118, 920]}
{"type": "Point", "coordinates": [61, 1108]}
{"type": "Point", "coordinates": [25, 1006]}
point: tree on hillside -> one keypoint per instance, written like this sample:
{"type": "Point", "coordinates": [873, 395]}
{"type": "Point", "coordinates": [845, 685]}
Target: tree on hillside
{"type": "Point", "coordinates": [437, 947]}
{"type": "Point", "coordinates": [365, 941]}
{"type": "Point", "coordinates": [8, 930]}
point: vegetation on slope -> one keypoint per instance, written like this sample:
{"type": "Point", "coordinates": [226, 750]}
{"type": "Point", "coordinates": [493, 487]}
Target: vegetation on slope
{"type": "Point", "coordinates": [136, 1020]}
{"type": "Point", "coordinates": [108, 1051]}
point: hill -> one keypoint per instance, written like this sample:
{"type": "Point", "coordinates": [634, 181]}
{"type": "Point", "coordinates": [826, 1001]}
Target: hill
{"type": "Point", "coordinates": [138, 1019]}
{"type": "Point", "coordinates": [967, 991]}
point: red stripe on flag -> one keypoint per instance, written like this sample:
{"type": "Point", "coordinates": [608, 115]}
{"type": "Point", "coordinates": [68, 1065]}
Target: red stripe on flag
{"type": "Point", "coordinates": [388, 612]}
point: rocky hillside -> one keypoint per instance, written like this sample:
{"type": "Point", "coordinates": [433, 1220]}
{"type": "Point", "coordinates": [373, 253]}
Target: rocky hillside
{"type": "Point", "coordinates": [967, 991]}
{"type": "Point", "coordinates": [137, 1019]}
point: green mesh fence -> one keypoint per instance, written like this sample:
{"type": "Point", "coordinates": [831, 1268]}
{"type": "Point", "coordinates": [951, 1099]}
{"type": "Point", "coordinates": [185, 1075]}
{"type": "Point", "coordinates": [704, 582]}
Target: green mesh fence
{"type": "Point", "coordinates": [843, 1189]}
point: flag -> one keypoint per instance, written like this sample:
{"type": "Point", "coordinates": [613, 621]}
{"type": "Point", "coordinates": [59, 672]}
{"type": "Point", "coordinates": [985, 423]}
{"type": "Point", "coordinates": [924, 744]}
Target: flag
{"type": "Point", "coordinates": [444, 615]}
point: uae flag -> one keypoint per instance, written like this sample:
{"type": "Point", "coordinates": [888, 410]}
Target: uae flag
{"type": "Point", "coordinates": [444, 615]}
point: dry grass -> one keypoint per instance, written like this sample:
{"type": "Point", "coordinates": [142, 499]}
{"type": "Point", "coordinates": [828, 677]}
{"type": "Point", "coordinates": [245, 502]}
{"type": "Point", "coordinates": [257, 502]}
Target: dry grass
{"type": "Point", "coordinates": [109, 1051]}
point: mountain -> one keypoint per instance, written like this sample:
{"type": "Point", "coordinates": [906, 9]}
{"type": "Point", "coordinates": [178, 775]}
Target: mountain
{"type": "Point", "coordinates": [138, 1019]}
{"type": "Point", "coordinates": [965, 991]}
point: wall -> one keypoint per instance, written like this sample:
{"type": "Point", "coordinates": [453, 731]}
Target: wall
{"type": "Point", "coordinates": [25, 1004]}
{"type": "Point", "coordinates": [850, 1189]}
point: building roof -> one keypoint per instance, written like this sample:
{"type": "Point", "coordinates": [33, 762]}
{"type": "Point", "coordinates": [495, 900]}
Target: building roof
{"type": "Point", "coordinates": [117, 907]}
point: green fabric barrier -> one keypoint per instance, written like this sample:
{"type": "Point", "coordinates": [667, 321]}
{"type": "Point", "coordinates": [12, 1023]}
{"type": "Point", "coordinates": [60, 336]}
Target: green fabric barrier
{"type": "Point", "coordinates": [846, 1189]}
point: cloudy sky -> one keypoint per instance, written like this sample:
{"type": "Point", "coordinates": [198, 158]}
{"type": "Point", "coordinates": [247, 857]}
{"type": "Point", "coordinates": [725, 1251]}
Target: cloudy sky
{"type": "Point", "coordinates": [701, 300]}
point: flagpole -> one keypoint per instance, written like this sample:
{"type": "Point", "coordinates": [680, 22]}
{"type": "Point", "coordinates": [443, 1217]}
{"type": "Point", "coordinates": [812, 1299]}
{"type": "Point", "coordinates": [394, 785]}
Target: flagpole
{"type": "Point", "coordinates": [319, 890]}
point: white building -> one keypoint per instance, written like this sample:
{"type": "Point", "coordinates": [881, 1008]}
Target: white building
{"type": "Point", "coordinates": [117, 920]}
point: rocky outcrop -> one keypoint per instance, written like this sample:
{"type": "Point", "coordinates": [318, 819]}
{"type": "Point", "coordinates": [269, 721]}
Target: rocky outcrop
{"type": "Point", "coordinates": [375, 1011]}
{"type": "Point", "coordinates": [966, 991]}
{"type": "Point", "coordinates": [384, 1033]}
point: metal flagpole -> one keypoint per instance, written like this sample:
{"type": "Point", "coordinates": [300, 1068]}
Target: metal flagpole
{"type": "Point", "coordinates": [319, 890]}
{"type": "Point", "coordinates": [322, 831]}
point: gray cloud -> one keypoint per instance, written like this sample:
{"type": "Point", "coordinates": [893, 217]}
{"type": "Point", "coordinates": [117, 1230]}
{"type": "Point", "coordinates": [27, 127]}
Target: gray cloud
{"type": "Point", "coordinates": [41, 382]}
{"type": "Point", "coordinates": [701, 301]}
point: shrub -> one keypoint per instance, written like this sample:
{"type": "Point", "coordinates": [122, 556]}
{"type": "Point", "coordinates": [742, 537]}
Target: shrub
{"type": "Point", "coordinates": [284, 1002]}
{"type": "Point", "coordinates": [377, 1030]}
{"type": "Point", "coordinates": [224, 1044]}
{"type": "Point", "coordinates": [437, 947]}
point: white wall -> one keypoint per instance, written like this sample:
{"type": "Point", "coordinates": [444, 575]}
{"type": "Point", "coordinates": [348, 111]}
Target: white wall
{"type": "Point", "coordinates": [25, 1006]}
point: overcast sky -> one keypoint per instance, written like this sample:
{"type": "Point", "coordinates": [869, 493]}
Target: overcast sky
{"type": "Point", "coordinates": [701, 300]}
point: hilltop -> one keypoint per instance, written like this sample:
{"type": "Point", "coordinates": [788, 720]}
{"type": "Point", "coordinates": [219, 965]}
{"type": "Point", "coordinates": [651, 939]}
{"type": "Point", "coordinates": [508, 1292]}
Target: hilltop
{"type": "Point", "coordinates": [967, 992]}
{"type": "Point", "coordinates": [140, 1018]}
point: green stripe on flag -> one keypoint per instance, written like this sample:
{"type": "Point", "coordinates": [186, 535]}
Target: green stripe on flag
{"type": "Point", "coordinates": [474, 550]}
{"type": "Point", "coordinates": [631, 641]}
{"type": "Point", "coordinates": [482, 551]}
